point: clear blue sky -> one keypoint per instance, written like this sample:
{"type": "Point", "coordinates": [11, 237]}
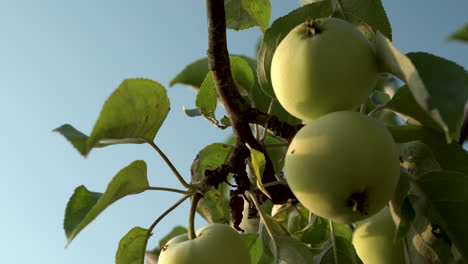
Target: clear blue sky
{"type": "Point", "coordinates": [60, 60]}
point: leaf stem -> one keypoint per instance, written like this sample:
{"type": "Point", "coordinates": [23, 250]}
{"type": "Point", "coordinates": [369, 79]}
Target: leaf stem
{"type": "Point", "coordinates": [274, 183]}
{"type": "Point", "coordinates": [267, 227]}
{"type": "Point", "coordinates": [265, 126]}
{"type": "Point", "coordinates": [193, 209]}
{"type": "Point", "coordinates": [168, 190]}
{"type": "Point", "coordinates": [332, 234]}
{"type": "Point", "coordinates": [174, 206]}
{"type": "Point", "coordinates": [169, 163]}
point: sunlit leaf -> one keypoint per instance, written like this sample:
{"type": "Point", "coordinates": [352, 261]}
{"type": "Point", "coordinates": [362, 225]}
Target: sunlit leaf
{"type": "Point", "coordinates": [258, 164]}
{"type": "Point", "coordinates": [207, 97]}
{"type": "Point", "coordinates": [461, 34]}
{"type": "Point", "coordinates": [193, 74]}
{"type": "Point", "coordinates": [84, 206]}
{"type": "Point", "coordinates": [214, 204]}
{"type": "Point", "coordinates": [132, 247]}
{"type": "Point", "coordinates": [132, 114]}
{"type": "Point", "coordinates": [243, 14]}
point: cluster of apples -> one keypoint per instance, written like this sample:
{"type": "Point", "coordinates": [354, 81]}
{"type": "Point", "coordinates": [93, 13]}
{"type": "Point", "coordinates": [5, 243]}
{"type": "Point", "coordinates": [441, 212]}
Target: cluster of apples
{"type": "Point", "coordinates": [342, 165]}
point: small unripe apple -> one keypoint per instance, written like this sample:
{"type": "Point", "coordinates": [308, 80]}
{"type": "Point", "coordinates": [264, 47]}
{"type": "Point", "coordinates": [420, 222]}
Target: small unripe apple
{"type": "Point", "coordinates": [215, 243]}
{"type": "Point", "coordinates": [344, 166]}
{"type": "Point", "coordinates": [374, 240]}
{"type": "Point", "coordinates": [323, 66]}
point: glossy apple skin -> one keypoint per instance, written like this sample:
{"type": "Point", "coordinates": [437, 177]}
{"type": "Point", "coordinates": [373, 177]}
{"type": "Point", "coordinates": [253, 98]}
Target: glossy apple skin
{"type": "Point", "coordinates": [214, 244]}
{"type": "Point", "coordinates": [344, 166]}
{"type": "Point", "coordinates": [374, 241]}
{"type": "Point", "coordinates": [333, 70]}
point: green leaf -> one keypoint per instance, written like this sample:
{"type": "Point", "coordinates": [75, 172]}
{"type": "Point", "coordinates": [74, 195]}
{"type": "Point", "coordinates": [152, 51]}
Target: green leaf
{"type": "Point", "coordinates": [254, 245]}
{"type": "Point", "coordinates": [448, 198]}
{"type": "Point", "coordinates": [314, 233]}
{"type": "Point", "coordinates": [192, 112]}
{"type": "Point", "coordinates": [292, 250]}
{"type": "Point", "coordinates": [242, 74]}
{"type": "Point", "coordinates": [365, 14]}
{"type": "Point", "coordinates": [277, 31]}
{"type": "Point", "coordinates": [450, 156]}
{"type": "Point", "coordinates": [345, 252]}
{"type": "Point", "coordinates": [84, 206]}
{"type": "Point", "coordinates": [192, 75]}
{"type": "Point", "coordinates": [417, 158]}
{"type": "Point", "coordinates": [243, 14]}
{"type": "Point", "coordinates": [446, 83]}
{"type": "Point", "coordinates": [275, 153]}
{"type": "Point", "coordinates": [407, 215]}
{"type": "Point", "coordinates": [75, 137]}
{"type": "Point", "coordinates": [380, 98]}
{"type": "Point", "coordinates": [258, 165]}
{"type": "Point", "coordinates": [132, 114]}
{"type": "Point", "coordinates": [207, 97]}
{"type": "Point", "coordinates": [132, 247]}
{"type": "Point", "coordinates": [461, 34]}
{"type": "Point", "coordinates": [440, 87]}
{"type": "Point", "coordinates": [404, 103]}
{"type": "Point", "coordinates": [81, 202]}
{"type": "Point", "coordinates": [214, 204]}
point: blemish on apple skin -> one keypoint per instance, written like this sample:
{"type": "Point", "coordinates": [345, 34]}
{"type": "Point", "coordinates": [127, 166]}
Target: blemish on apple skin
{"type": "Point", "coordinates": [164, 248]}
{"type": "Point", "coordinates": [292, 151]}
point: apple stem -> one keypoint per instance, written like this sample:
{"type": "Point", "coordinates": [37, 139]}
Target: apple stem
{"type": "Point", "coordinates": [312, 27]}
{"type": "Point", "coordinates": [193, 209]}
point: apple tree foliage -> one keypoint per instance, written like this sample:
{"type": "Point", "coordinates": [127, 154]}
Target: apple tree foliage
{"type": "Point", "coordinates": [420, 97]}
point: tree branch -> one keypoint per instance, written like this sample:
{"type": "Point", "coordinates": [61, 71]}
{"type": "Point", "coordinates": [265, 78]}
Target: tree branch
{"type": "Point", "coordinates": [238, 110]}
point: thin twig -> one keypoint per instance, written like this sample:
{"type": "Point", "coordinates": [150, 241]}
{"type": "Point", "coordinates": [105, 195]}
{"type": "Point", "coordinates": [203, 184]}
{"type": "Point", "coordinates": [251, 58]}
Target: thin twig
{"type": "Point", "coordinates": [167, 190]}
{"type": "Point", "coordinates": [169, 163]}
{"type": "Point", "coordinates": [174, 206]}
{"type": "Point", "coordinates": [265, 127]}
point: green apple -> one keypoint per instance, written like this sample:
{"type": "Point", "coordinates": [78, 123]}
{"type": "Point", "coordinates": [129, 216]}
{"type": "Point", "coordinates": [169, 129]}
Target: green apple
{"type": "Point", "coordinates": [344, 166]}
{"type": "Point", "coordinates": [374, 240]}
{"type": "Point", "coordinates": [214, 244]}
{"type": "Point", "coordinates": [323, 66]}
